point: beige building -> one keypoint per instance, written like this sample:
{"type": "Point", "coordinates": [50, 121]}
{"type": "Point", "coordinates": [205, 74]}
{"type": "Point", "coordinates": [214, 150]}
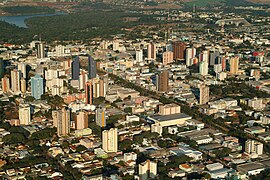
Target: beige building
{"type": "Point", "coordinates": [234, 63]}
{"type": "Point", "coordinates": [81, 120]}
{"type": "Point", "coordinates": [23, 85]}
{"type": "Point", "coordinates": [24, 115]}
{"type": "Point", "coordinates": [167, 57]}
{"type": "Point", "coordinates": [169, 109]}
{"type": "Point", "coordinates": [110, 140]}
{"type": "Point", "coordinates": [61, 120]}
{"type": "Point", "coordinates": [204, 94]}
{"type": "Point", "coordinates": [15, 81]}
{"type": "Point", "coordinates": [256, 103]}
{"type": "Point", "coordinates": [147, 170]}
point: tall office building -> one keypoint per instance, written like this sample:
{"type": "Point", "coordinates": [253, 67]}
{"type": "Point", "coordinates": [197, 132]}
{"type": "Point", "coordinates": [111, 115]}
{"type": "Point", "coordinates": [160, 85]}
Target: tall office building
{"type": "Point", "coordinates": [163, 81]}
{"type": "Point", "coordinates": [40, 51]}
{"type": "Point", "coordinates": [24, 115]}
{"type": "Point", "coordinates": [101, 116]}
{"type": "Point", "coordinates": [89, 94]}
{"type": "Point", "coordinates": [92, 68]}
{"type": "Point", "coordinates": [139, 55]}
{"type": "Point", "coordinates": [81, 120]}
{"type": "Point", "coordinates": [61, 120]}
{"type": "Point", "coordinates": [203, 94]}
{"type": "Point", "coordinates": [75, 68]}
{"type": "Point", "coordinates": [203, 68]}
{"type": "Point", "coordinates": [253, 147]}
{"type": "Point", "coordinates": [234, 63]}
{"type": "Point", "coordinates": [147, 170]}
{"type": "Point", "coordinates": [23, 85]}
{"type": "Point", "coordinates": [167, 58]}
{"type": "Point", "coordinates": [22, 69]}
{"type": "Point", "coordinates": [151, 51]}
{"type": "Point", "coordinates": [110, 140]}
{"type": "Point", "coordinates": [5, 84]}
{"type": "Point", "coordinates": [214, 54]}
{"type": "Point", "coordinates": [190, 54]}
{"type": "Point", "coordinates": [2, 68]}
{"type": "Point", "coordinates": [37, 87]}
{"type": "Point", "coordinates": [15, 81]}
{"type": "Point", "coordinates": [179, 50]}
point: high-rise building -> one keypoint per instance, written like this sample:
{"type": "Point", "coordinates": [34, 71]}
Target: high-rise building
{"type": "Point", "coordinates": [22, 69]}
{"type": "Point", "coordinates": [204, 56]}
{"type": "Point", "coordinates": [110, 140]}
{"type": "Point", "coordinates": [139, 55]}
{"type": "Point", "coordinates": [2, 68]}
{"type": "Point", "coordinates": [217, 68]}
{"type": "Point", "coordinates": [214, 54]}
{"type": "Point", "coordinates": [190, 54]}
{"type": "Point", "coordinates": [5, 84]}
{"type": "Point", "coordinates": [103, 85]}
{"type": "Point", "coordinates": [81, 120]}
{"type": "Point", "coordinates": [167, 57]}
{"type": "Point", "coordinates": [179, 50]}
{"type": "Point", "coordinates": [40, 51]}
{"type": "Point", "coordinates": [203, 94]}
{"type": "Point", "coordinates": [23, 85]}
{"type": "Point", "coordinates": [92, 68]}
{"type": "Point", "coordinates": [61, 120]}
{"type": "Point", "coordinates": [89, 94]}
{"type": "Point", "coordinates": [59, 51]}
{"type": "Point", "coordinates": [234, 63]}
{"type": "Point", "coordinates": [24, 114]}
{"type": "Point", "coordinates": [75, 68]}
{"type": "Point", "coordinates": [253, 147]}
{"type": "Point", "coordinates": [147, 170]}
{"type": "Point", "coordinates": [203, 68]}
{"type": "Point", "coordinates": [37, 87]}
{"type": "Point", "coordinates": [151, 51]}
{"type": "Point", "coordinates": [116, 45]}
{"type": "Point", "coordinates": [101, 116]}
{"type": "Point", "coordinates": [15, 81]}
{"type": "Point", "coordinates": [163, 81]}
{"type": "Point", "coordinates": [83, 78]}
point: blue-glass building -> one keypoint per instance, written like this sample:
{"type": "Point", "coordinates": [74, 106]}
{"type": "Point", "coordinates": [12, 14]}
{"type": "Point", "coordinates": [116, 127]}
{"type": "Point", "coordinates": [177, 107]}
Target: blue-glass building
{"type": "Point", "coordinates": [92, 68]}
{"type": "Point", "coordinates": [75, 67]}
{"type": "Point", "coordinates": [37, 86]}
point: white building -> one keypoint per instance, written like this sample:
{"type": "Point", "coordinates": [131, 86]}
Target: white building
{"type": "Point", "coordinates": [254, 147]}
{"type": "Point", "coordinates": [203, 68]}
{"type": "Point", "coordinates": [110, 140]}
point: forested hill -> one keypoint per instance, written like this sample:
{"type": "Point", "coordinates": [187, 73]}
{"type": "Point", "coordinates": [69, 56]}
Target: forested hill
{"type": "Point", "coordinates": [25, 10]}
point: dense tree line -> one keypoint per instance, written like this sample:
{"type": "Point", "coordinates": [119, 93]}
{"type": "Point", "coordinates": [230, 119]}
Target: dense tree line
{"type": "Point", "coordinates": [28, 10]}
{"type": "Point", "coordinates": [75, 26]}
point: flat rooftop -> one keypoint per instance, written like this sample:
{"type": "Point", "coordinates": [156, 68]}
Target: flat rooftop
{"type": "Point", "coordinates": [169, 117]}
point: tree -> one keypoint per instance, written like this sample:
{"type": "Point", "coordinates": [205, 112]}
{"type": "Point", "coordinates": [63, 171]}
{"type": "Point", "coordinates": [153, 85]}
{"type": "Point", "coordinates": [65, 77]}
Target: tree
{"type": "Point", "coordinates": [81, 148]}
{"type": "Point", "coordinates": [46, 133]}
{"type": "Point", "coordinates": [14, 138]}
{"type": "Point", "coordinates": [125, 145]}
{"type": "Point", "coordinates": [128, 110]}
{"type": "Point", "coordinates": [29, 99]}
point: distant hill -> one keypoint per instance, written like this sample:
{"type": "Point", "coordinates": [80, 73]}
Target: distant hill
{"type": "Point", "coordinates": [204, 3]}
